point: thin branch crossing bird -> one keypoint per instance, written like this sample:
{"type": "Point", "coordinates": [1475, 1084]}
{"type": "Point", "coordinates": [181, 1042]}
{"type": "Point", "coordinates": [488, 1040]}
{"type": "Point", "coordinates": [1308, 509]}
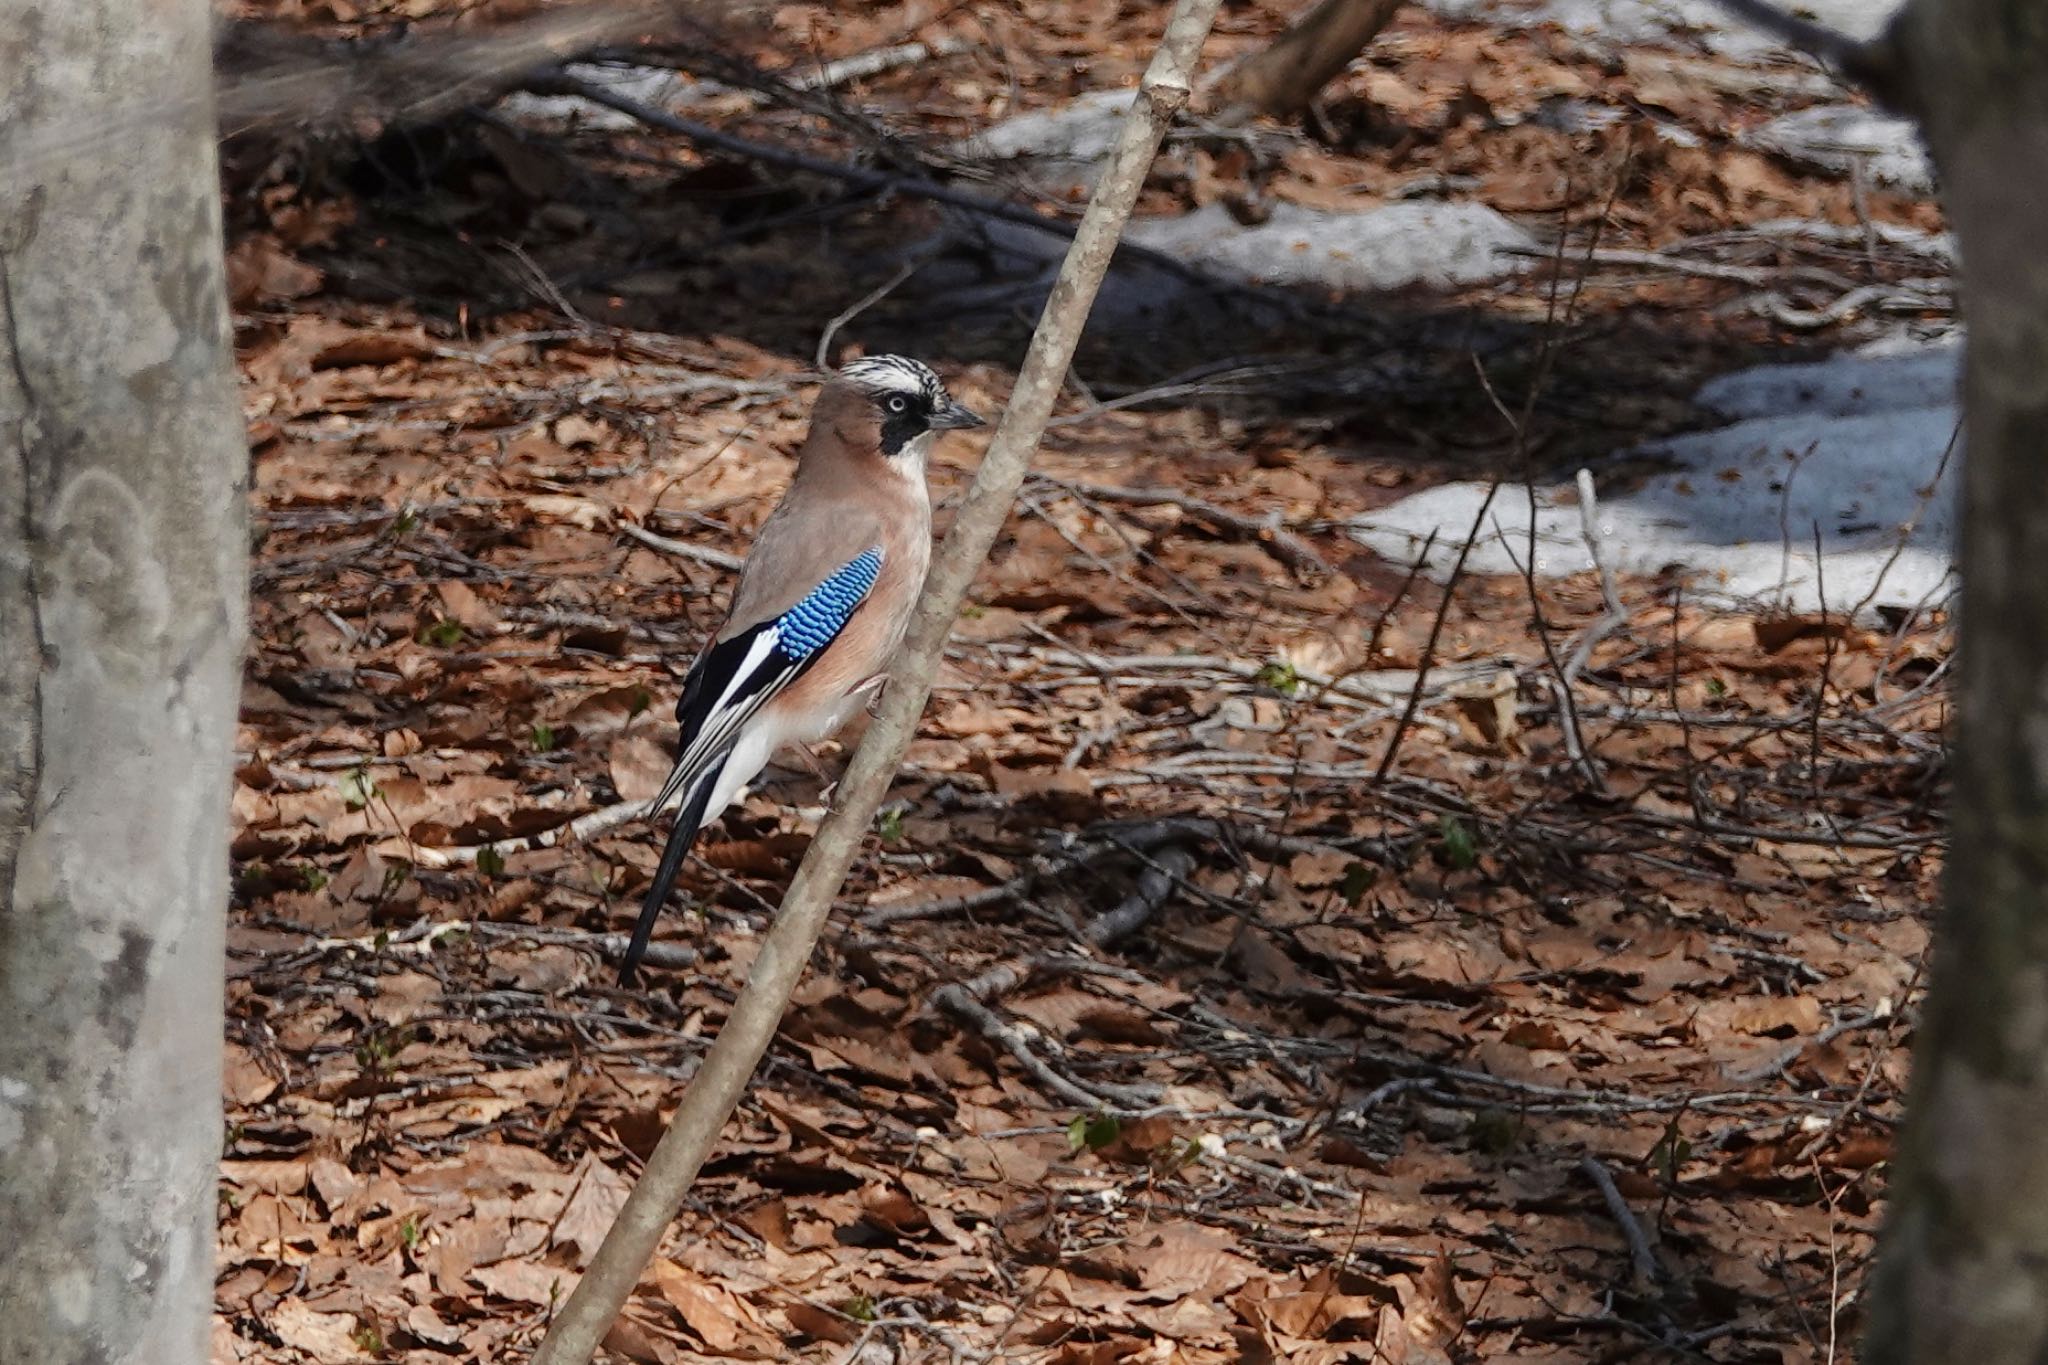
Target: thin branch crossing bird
{"type": "Point", "coordinates": [822, 602]}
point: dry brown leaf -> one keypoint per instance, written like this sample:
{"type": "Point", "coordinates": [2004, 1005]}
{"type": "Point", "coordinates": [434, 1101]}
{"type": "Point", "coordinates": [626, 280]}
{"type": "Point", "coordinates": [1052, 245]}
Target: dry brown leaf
{"type": "Point", "coordinates": [820, 1325]}
{"type": "Point", "coordinates": [600, 1193]}
{"type": "Point", "coordinates": [1066, 792]}
{"type": "Point", "coordinates": [1432, 1309]}
{"type": "Point", "coordinates": [325, 1337]}
{"type": "Point", "coordinates": [1184, 1259]}
{"type": "Point", "coordinates": [1773, 633]}
{"type": "Point", "coordinates": [1773, 1015]}
{"type": "Point", "coordinates": [460, 602]}
{"type": "Point", "coordinates": [1329, 1303]}
{"type": "Point", "coordinates": [271, 1177]}
{"type": "Point", "coordinates": [1485, 710]}
{"type": "Point", "coordinates": [1536, 1034]}
{"type": "Point", "coordinates": [1319, 868]}
{"type": "Point", "coordinates": [640, 763]}
{"type": "Point", "coordinates": [579, 430]}
{"type": "Point", "coordinates": [248, 1082]}
{"type": "Point", "coordinates": [725, 1322]}
{"type": "Point", "coordinates": [345, 346]}
{"type": "Point", "coordinates": [580, 512]}
{"type": "Point", "coordinates": [526, 1281]}
{"type": "Point", "coordinates": [260, 271]}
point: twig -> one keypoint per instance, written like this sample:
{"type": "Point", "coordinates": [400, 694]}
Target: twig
{"type": "Point", "coordinates": [1104, 843]}
{"type": "Point", "coordinates": [1278, 1176]}
{"type": "Point", "coordinates": [1886, 297]}
{"type": "Point", "coordinates": [1344, 1259]}
{"type": "Point", "coordinates": [1155, 884]}
{"type": "Point", "coordinates": [967, 1000]}
{"type": "Point", "coordinates": [860, 177]}
{"type": "Point", "coordinates": [580, 830]}
{"type": "Point", "coordinates": [1616, 615]}
{"type": "Point", "coordinates": [1436, 631]}
{"type": "Point", "coordinates": [1780, 1064]}
{"type": "Point", "coordinates": [608, 945]}
{"type": "Point", "coordinates": [717, 559]}
{"type": "Point", "coordinates": [273, 76]}
{"type": "Point", "coordinates": [786, 949]}
{"type": "Point", "coordinates": [869, 300]}
{"type": "Point", "coordinates": [861, 65]}
{"type": "Point", "coordinates": [1756, 276]}
{"type": "Point", "coordinates": [955, 1000]}
{"type": "Point", "coordinates": [1284, 545]}
{"type": "Point", "coordinates": [1641, 1259]}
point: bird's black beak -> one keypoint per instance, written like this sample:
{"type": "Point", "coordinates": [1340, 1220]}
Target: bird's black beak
{"type": "Point", "coordinates": [952, 417]}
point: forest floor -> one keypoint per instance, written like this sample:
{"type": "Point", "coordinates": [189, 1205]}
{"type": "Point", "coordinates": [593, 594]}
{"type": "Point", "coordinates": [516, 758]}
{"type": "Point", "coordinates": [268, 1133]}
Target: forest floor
{"type": "Point", "coordinates": [1268, 953]}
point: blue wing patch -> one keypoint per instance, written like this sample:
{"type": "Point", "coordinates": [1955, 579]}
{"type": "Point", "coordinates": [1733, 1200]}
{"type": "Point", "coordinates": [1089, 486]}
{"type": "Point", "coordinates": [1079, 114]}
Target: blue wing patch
{"type": "Point", "coordinates": [812, 624]}
{"type": "Point", "coordinates": [822, 614]}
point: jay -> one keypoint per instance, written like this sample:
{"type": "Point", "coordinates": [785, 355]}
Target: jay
{"type": "Point", "coordinates": [822, 602]}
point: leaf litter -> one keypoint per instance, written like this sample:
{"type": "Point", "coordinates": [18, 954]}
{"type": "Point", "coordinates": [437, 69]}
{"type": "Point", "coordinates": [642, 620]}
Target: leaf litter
{"type": "Point", "coordinates": [1157, 1023]}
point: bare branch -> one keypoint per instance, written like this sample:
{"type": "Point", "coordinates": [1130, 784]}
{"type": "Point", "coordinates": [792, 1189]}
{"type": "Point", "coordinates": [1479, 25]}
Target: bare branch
{"type": "Point", "coordinates": [1290, 549]}
{"type": "Point", "coordinates": [272, 74]}
{"type": "Point", "coordinates": [860, 177]}
{"type": "Point", "coordinates": [786, 949]}
{"type": "Point", "coordinates": [1642, 1261]}
{"type": "Point", "coordinates": [1284, 77]}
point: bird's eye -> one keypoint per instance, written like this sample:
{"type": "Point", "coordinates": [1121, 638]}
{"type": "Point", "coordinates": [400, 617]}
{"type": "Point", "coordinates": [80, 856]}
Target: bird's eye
{"type": "Point", "coordinates": [899, 404]}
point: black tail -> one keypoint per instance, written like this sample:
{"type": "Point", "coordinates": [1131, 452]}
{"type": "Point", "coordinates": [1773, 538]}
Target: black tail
{"type": "Point", "coordinates": [680, 837]}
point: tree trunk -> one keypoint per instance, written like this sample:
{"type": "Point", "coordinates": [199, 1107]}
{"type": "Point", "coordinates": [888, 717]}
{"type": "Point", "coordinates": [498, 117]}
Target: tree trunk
{"type": "Point", "coordinates": [1285, 76]}
{"type": "Point", "coordinates": [1963, 1274]}
{"type": "Point", "coordinates": [122, 579]}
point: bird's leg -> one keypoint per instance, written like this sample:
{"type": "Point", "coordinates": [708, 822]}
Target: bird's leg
{"type": "Point", "coordinates": [868, 692]}
{"type": "Point", "coordinates": [871, 689]}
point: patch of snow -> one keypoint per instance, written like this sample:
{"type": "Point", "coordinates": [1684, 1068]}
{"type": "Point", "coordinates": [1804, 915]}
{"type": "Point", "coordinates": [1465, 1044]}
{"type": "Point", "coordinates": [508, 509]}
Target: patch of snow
{"type": "Point", "coordinates": [1698, 24]}
{"type": "Point", "coordinates": [1836, 137]}
{"type": "Point", "coordinates": [1398, 245]}
{"type": "Point", "coordinates": [1850, 385]}
{"type": "Point", "coordinates": [1061, 150]}
{"type": "Point", "coordinates": [1442, 244]}
{"type": "Point", "coordinates": [1081, 130]}
{"type": "Point", "coordinates": [1852, 447]}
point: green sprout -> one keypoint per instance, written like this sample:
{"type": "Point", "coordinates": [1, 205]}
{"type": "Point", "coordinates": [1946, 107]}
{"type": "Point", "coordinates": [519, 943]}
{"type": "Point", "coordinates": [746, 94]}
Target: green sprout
{"type": "Point", "coordinates": [1358, 879]}
{"type": "Point", "coordinates": [1456, 843]}
{"type": "Point", "coordinates": [1280, 676]}
{"type": "Point", "coordinates": [358, 788]}
{"type": "Point", "coordinates": [1092, 1131]}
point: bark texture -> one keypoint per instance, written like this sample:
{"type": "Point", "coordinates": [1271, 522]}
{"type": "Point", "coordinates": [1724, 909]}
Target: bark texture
{"type": "Point", "coordinates": [1284, 77]}
{"type": "Point", "coordinates": [122, 570]}
{"type": "Point", "coordinates": [1963, 1274]}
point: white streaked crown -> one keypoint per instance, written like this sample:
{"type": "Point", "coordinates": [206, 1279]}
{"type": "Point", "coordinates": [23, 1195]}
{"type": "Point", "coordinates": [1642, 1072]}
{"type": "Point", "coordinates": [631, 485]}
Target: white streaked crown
{"type": "Point", "coordinates": [878, 375]}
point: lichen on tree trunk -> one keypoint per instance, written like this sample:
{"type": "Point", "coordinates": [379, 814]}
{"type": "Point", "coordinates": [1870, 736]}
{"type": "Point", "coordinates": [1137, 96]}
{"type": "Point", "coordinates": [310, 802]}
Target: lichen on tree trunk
{"type": "Point", "coordinates": [1963, 1274]}
{"type": "Point", "coordinates": [122, 578]}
